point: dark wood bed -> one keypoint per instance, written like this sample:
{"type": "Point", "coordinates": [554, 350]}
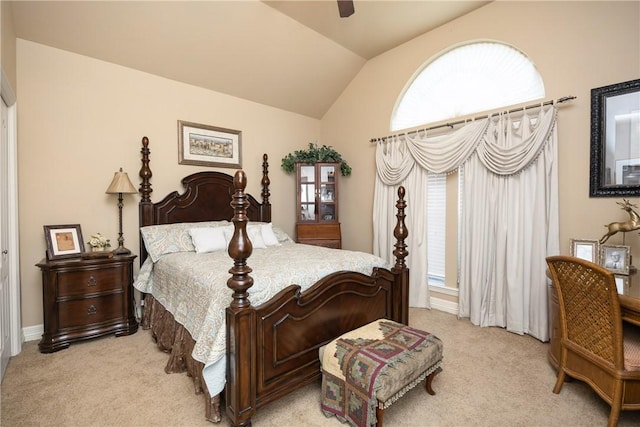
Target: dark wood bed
{"type": "Point", "coordinates": [272, 349]}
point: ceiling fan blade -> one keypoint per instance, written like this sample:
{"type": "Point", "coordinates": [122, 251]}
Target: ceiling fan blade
{"type": "Point", "coordinates": [345, 7]}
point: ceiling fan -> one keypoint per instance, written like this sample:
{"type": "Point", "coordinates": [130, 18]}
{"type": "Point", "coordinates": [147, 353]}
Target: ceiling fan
{"type": "Point", "coordinates": [345, 7]}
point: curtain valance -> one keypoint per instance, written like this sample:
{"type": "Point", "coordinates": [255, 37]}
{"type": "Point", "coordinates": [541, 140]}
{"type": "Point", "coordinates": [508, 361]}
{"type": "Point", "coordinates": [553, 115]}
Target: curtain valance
{"type": "Point", "coordinates": [486, 138]}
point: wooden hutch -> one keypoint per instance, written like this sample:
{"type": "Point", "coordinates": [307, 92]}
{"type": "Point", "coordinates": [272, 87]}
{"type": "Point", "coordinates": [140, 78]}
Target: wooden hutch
{"type": "Point", "coordinates": [317, 221]}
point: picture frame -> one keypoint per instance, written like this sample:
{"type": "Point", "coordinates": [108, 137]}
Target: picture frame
{"type": "Point", "coordinates": [628, 172]}
{"type": "Point", "coordinates": [615, 258]}
{"type": "Point", "coordinates": [204, 145]}
{"type": "Point", "coordinates": [63, 241]}
{"type": "Point", "coordinates": [586, 249]}
{"type": "Point", "coordinates": [615, 140]}
{"type": "Point", "coordinates": [622, 284]}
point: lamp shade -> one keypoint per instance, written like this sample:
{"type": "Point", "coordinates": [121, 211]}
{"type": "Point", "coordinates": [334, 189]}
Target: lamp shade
{"type": "Point", "coordinates": [121, 184]}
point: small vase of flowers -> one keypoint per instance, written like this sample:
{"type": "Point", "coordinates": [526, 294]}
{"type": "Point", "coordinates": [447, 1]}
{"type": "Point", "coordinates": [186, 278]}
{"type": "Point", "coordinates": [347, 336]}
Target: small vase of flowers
{"type": "Point", "coordinates": [98, 243]}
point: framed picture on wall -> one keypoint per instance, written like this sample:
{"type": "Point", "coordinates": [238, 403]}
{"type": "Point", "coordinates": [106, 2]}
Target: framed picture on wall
{"type": "Point", "coordinates": [204, 145]}
{"type": "Point", "coordinates": [586, 249]}
{"type": "Point", "coordinates": [63, 241]}
{"type": "Point", "coordinates": [615, 258]}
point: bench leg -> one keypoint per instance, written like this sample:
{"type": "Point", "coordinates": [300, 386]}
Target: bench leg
{"type": "Point", "coordinates": [379, 414]}
{"type": "Point", "coordinates": [427, 383]}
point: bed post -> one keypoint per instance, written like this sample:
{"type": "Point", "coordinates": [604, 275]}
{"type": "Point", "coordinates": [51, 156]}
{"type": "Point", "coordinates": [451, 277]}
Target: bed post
{"type": "Point", "coordinates": [401, 305]}
{"type": "Point", "coordinates": [145, 207]}
{"type": "Point", "coordinates": [240, 390]}
{"type": "Point", "coordinates": [265, 207]}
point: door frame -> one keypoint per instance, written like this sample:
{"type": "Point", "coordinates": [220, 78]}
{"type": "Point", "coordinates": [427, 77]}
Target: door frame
{"type": "Point", "coordinates": [15, 327]}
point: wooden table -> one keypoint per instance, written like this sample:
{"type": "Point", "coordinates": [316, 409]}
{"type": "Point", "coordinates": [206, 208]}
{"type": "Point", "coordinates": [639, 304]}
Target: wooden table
{"type": "Point", "coordinates": [630, 307]}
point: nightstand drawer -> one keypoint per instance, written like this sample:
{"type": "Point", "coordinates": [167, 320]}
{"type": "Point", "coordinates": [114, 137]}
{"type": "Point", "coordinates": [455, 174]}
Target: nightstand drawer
{"type": "Point", "coordinates": [82, 312]}
{"type": "Point", "coordinates": [88, 281]}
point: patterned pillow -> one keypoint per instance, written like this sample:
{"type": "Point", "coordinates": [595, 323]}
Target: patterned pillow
{"type": "Point", "coordinates": [282, 236]}
{"type": "Point", "coordinates": [170, 238]}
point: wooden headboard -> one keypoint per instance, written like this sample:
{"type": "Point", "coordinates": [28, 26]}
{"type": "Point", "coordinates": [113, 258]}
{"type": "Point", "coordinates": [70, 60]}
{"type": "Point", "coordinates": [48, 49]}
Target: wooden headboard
{"type": "Point", "coordinates": [207, 197]}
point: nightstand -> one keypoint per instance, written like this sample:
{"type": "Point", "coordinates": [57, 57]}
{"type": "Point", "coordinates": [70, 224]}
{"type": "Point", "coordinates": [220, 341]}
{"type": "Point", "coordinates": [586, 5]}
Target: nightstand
{"type": "Point", "coordinates": [86, 298]}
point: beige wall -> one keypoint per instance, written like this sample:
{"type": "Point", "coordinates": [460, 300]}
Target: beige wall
{"type": "Point", "coordinates": [576, 47]}
{"type": "Point", "coordinates": [81, 119]}
{"type": "Point", "coordinates": [7, 44]}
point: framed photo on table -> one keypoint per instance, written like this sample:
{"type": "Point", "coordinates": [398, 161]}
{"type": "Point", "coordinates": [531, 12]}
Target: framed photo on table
{"type": "Point", "coordinates": [585, 249]}
{"type": "Point", "coordinates": [622, 284]}
{"type": "Point", "coordinates": [63, 241]}
{"type": "Point", "coordinates": [615, 258]}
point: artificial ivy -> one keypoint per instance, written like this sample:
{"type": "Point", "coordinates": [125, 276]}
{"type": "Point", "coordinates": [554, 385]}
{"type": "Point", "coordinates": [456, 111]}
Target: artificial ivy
{"type": "Point", "coordinates": [315, 154]}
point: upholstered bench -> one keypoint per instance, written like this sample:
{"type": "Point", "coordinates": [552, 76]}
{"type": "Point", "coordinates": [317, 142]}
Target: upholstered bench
{"type": "Point", "coordinates": [364, 371]}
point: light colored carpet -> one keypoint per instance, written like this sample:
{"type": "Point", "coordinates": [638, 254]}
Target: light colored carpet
{"type": "Point", "coordinates": [490, 378]}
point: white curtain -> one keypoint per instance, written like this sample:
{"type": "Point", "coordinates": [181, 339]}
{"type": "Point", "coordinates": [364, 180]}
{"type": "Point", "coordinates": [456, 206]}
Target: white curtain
{"type": "Point", "coordinates": [509, 218]}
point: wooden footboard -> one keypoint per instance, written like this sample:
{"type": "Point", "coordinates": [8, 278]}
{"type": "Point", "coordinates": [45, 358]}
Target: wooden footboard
{"type": "Point", "coordinates": [293, 326]}
{"type": "Point", "coordinates": [273, 348]}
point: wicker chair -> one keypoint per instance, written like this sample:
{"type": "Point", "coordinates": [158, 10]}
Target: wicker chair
{"type": "Point", "coordinates": [595, 346]}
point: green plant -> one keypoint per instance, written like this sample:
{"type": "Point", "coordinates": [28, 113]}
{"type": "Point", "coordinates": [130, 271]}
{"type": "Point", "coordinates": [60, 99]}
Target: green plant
{"type": "Point", "coordinates": [313, 155]}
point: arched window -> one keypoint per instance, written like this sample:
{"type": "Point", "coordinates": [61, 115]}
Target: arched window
{"type": "Point", "coordinates": [472, 78]}
{"type": "Point", "coordinates": [467, 79]}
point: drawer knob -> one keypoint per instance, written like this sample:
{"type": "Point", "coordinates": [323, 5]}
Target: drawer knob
{"type": "Point", "coordinates": [92, 310]}
{"type": "Point", "coordinates": [92, 281]}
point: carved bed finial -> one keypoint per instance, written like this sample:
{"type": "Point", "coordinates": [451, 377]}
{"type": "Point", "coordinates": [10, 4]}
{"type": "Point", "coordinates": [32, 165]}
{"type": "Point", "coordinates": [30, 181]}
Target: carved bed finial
{"type": "Point", "coordinates": [240, 247]}
{"type": "Point", "coordinates": [145, 172]}
{"type": "Point", "coordinates": [265, 207]}
{"type": "Point", "coordinates": [400, 231]}
{"type": "Point", "coordinates": [265, 179]}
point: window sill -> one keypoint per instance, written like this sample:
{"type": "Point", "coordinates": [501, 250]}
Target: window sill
{"type": "Point", "coordinates": [443, 290]}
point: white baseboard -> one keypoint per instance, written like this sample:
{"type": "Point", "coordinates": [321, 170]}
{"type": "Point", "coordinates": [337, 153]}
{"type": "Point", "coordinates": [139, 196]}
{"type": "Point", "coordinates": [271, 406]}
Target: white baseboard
{"type": "Point", "coordinates": [32, 333]}
{"type": "Point", "coordinates": [444, 305]}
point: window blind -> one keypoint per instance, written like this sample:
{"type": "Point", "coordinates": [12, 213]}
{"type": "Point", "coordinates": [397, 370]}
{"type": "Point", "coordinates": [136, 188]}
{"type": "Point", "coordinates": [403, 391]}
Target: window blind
{"type": "Point", "coordinates": [436, 228]}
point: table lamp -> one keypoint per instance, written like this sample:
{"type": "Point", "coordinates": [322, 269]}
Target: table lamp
{"type": "Point", "coordinates": [121, 185]}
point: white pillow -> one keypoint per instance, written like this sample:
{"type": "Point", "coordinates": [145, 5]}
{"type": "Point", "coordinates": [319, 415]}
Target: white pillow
{"type": "Point", "coordinates": [209, 239]}
{"type": "Point", "coordinates": [255, 235]}
{"type": "Point", "coordinates": [281, 236]}
{"type": "Point", "coordinates": [268, 236]}
{"type": "Point", "coordinates": [266, 233]}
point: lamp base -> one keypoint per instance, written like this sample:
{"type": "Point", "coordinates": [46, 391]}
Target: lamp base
{"type": "Point", "coordinates": [121, 250]}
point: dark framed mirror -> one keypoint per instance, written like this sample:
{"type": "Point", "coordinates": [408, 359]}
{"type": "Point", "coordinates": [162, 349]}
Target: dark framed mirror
{"type": "Point", "coordinates": [615, 140]}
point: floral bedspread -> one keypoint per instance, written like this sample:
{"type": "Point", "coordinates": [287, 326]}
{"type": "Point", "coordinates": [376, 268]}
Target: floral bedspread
{"type": "Point", "coordinates": [193, 287]}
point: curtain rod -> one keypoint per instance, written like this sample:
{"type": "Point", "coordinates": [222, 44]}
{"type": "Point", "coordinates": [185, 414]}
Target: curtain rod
{"type": "Point", "coordinates": [452, 124]}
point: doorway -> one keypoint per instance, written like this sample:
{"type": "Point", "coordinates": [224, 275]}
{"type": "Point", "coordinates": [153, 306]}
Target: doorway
{"type": "Point", "coordinates": [10, 328]}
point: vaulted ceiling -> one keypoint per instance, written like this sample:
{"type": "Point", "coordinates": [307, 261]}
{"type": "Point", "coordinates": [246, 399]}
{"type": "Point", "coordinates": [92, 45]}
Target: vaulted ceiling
{"type": "Point", "coordinates": [295, 55]}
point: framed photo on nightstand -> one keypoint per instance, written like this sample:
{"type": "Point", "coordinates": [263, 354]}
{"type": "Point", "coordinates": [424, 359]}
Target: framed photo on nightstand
{"type": "Point", "coordinates": [63, 241]}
